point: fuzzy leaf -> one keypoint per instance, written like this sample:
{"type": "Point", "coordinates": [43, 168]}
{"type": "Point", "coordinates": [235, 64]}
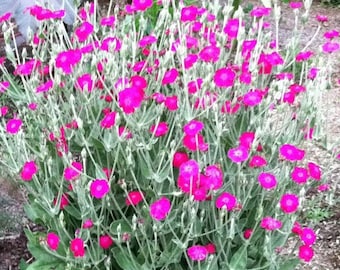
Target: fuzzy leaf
{"type": "Point", "coordinates": [239, 259]}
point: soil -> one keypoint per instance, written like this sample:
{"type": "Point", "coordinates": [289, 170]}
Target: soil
{"type": "Point", "coordinates": [327, 256]}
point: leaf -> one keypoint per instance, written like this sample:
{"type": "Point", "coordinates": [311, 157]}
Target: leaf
{"type": "Point", "coordinates": [239, 259]}
{"type": "Point", "coordinates": [289, 264]}
{"type": "Point", "coordinates": [46, 265]}
{"type": "Point", "coordinates": [125, 260]}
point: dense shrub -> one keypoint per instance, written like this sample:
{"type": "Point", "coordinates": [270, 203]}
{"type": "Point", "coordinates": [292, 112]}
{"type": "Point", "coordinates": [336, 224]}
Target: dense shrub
{"type": "Point", "coordinates": [181, 146]}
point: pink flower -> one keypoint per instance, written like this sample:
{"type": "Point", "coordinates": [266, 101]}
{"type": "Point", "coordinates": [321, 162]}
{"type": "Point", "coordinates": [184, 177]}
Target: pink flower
{"type": "Point", "coordinates": [105, 241]}
{"type": "Point", "coordinates": [194, 86]}
{"type": "Point", "coordinates": [295, 5]}
{"type": "Point", "coordinates": [246, 139]}
{"type": "Point", "coordinates": [134, 198]}
{"type": "Point", "coordinates": [247, 233]}
{"type": "Point", "coordinates": [13, 126]}
{"type": "Point", "coordinates": [189, 14]}
{"type": "Point", "coordinates": [197, 253]}
{"type": "Point", "coordinates": [270, 224]}
{"type": "Point", "coordinates": [179, 158]}
{"type": "Point", "coordinates": [123, 132]}
{"type": "Point", "coordinates": [77, 247]}
{"type": "Point", "coordinates": [108, 21]}
{"type": "Point", "coordinates": [195, 143]}
{"type": "Point", "coordinates": [213, 178]}
{"type": "Point", "coordinates": [32, 106]}
{"type": "Point", "coordinates": [321, 18]}
{"type": "Point", "coordinates": [230, 108]}
{"type": "Point", "coordinates": [193, 127]}
{"type": "Point", "coordinates": [67, 60]}
{"type": "Point", "coordinates": [52, 240]}
{"type": "Point", "coordinates": [291, 152]}
{"type": "Point", "coordinates": [210, 53]}
{"type": "Point", "coordinates": [297, 229]}
{"type": "Point", "coordinates": [308, 236]}
{"type": "Point", "coordinates": [226, 200]}
{"type": "Point", "coordinates": [289, 203]}
{"type": "Point", "coordinates": [258, 12]}
{"type": "Point", "coordinates": [190, 60]}
{"type": "Point", "coordinates": [323, 187]}
{"type": "Point", "coordinates": [64, 201]}
{"type": "Point", "coordinates": [85, 82]}
{"type": "Point", "coordinates": [299, 175]}
{"type": "Point", "coordinates": [142, 5]}
{"type": "Point", "coordinates": [189, 169]}
{"type": "Point", "coordinates": [3, 110]}
{"type": "Point", "coordinates": [267, 180]}
{"type": "Point", "coordinates": [130, 99]}
{"type": "Point", "coordinates": [87, 224]}
{"type": "Point", "coordinates": [27, 68]}
{"type": "Point", "coordinates": [160, 129]}
{"type": "Point", "coordinates": [84, 31]}
{"type": "Point", "coordinates": [160, 208]}
{"type": "Point", "coordinates": [111, 44]}
{"type": "Point", "coordinates": [331, 34]}
{"type": "Point", "coordinates": [331, 47]}
{"type": "Point", "coordinates": [314, 170]}
{"type": "Point", "coordinates": [303, 56]}
{"type": "Point", "coordinates": [99, 188]}
{"type": "Point", "coordinates": [73, 172]}
{"type": "Point", "coordinates": [4, 86]}
{"type": "Point", "coordinates": [170, 76]}
{"type": "Point", "coordinates": [211, 248]}
{"type": "Point", "coordinates": [29, 169]}
{"type": "Point", "coordinates": [306, 253]}
{"type": "Point", "coordinates": [231, 28]}
{"type": "Point", "coordinates": [147, 40]}
{"type": "Point", "coordinates": [190, 184]}
{"type": "Point", "coordinates": [109, 120]}
{"type": "Point", "coordinates": [45, 87]}
{"type": "Point", "coordinates": [171, 103]}
{"type": "Point", "coordinates": [224, 77]}
{"type": "Point", "coordinates": [238, 154]}
{"type": "Point", "coordinates": [257, 162]}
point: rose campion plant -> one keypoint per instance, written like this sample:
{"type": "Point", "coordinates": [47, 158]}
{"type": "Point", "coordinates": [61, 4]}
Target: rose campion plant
{"type": "Point", "coordinates": [168, 142]}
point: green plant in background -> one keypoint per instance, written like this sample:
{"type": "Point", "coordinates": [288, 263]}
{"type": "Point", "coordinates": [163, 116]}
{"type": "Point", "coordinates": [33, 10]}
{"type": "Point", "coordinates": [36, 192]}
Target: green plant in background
{"type": "Point", "coordinates": [178, 144]}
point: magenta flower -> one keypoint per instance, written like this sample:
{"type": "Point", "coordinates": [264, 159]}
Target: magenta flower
{"type": "Point", "coordinates": [85, 82]}
{"type": "Point", "coordinates": [238, 154]}
{"type": "Point", "coordinates": [87, 224]}
{"type": "Point", "coordinates": [105, 241]}
{"type": "Point", "coordinates": [213, 177]}
{"type": "Point", "coordinates": [197, 253]}
{"type": "Point", "coordinates": [109, 120]}
{"type": "Point", "coordinates": [257, 162]}
{"type": "Point", "coordinates": [170, 76]}
{"type": "Point", "coordinates": [258, 12]}
{"type": "Point", "coordinates": [111, 44]}
{"type": "Point", "coordinates": [67, 60]}
{"type": "Point", "coordinates": [29, 169]}
{"type": "Point", "coordinates": [194, 86]}
{"type": "Point", "coordinates": [73, 172]}
{"type": "Point", "coordinates": [171, 103]}
{"type": "Point", "coordinates": [308, 236]}
{"type": "Point", "coordinates": [193, 127]}
{"type": "Point", "coordinates": [179, 158]}
{"type": "Point", "coordinates": [314, 171]}
{"type": "Point", "coordinates": [13, 126]}
{"type": "Point", "coordinates": [160, 129]}
{"type": "Point", "coordinates": [267, 180]}
{"type": "Point", "coordinates": [189, 169]}
{"type": "Point", "coordinates": [3, 110]}
{"type": "Point", "coordinates": [295, 5]}
{"type": "Point", "coordinates": [306, 253]}
{"type": "Point", "coordinates": [189, 14]}
{"type": "Point", "coordinates": [189, 184]}
{"type": "Point", "coordinates": [45, 87]}
{"type": "Point", "coordinates": [27, 68]}
{"type": "Point", "coordinates": [231, 28]}
{"type": "Point", "coordinates": [160, 208]}
{"type": "Point", "coordinates": [331, 34]}
{"type": "Point", "coordinates": [108, 21]}
{"type": "Point", "coordinates": [130, 99]}
{"type": "Point", "coordinates": [330, 47]}
{"type": "Point", "coordinates": [52, 240]}
{"type": "Point", "coordinates": [190, 60]}
{"type": "Point", "coordinates": [297, 229]}
{"type": "Point", "coordinates": [226, 200]}
{"type": "Point", "coordinates": [252, 98]}
{"type": "Point", "coordinates": [147, 40]}
{"type": "Point", "coordinates": [84, 31]}
{"type": "Point", "coordinates": [224, 77]}
{"type": "Point", "coordinates": [99, 188]}
{"type": "Point", "coordinates": [246, 139]}
{"type": "Point", "coordinates": [134, 198]}
{"type": "Point", "coordinates": [210, 53]}
{"type": "Point", "coordinates": [4, 86]}
{"type": "Point", "coordinates": [289, 203]}
{"type": "Point", "coordinates": [270, 224]}
{"type": "Point", "coordinates": [77, 247]}
{"type": "Point", "coordinates": [247, 233]}
{"type": "Point", "coordinates": [291, 152]}
{"type": "Point", "coordinates": [299, 175]}
{"type": "Point", "coordinates": [141, 5]}
{"type": "Point", "coordinates": [303, 56]}
{"type": "Point", "coordinates": [195, 143]}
